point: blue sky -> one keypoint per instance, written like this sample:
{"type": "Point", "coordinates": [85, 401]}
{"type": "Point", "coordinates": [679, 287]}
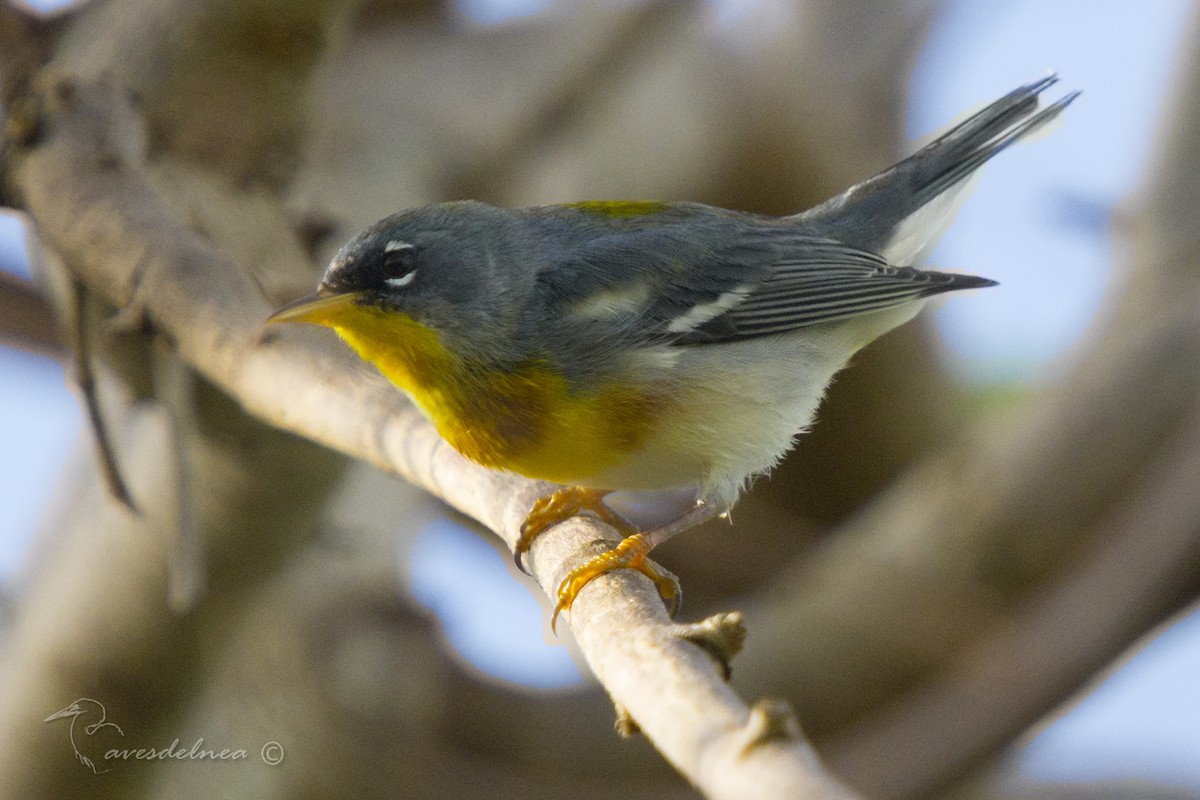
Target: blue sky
{"type": "Point", "coordinates": [1037, 223]}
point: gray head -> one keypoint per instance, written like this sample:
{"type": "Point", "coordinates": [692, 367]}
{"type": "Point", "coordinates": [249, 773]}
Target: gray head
{"type": "Point", "coordinates": [448, 266]}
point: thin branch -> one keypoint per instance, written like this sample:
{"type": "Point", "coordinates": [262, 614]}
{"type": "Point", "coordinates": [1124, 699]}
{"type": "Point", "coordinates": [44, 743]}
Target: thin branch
{"type": "Point", "coordinates": [101, 214]}
{"type": "Point", "coordinates": [85, 379]}
{"type": "Point", "coordinates": [174, 387]}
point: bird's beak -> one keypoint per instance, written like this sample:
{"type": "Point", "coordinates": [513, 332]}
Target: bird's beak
{"type": "Point", "coordinates": [69, 711]}
{"type": "Point", "coordinates": [316, 308]}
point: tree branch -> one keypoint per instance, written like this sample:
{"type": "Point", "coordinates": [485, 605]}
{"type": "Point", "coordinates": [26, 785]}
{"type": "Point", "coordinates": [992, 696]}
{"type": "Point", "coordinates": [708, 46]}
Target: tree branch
{"type": "Point", "coordinates": [934, 580]}
{"type": "Point", "coordinates": [1110, 458]}
{"type": "Point", "coordinates": [1144, 566]}
{"type": "Point", "coordinates": [83, 185]}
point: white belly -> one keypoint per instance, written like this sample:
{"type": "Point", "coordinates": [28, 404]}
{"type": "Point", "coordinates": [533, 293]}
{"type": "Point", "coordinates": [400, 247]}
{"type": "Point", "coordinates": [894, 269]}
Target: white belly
{"type": "Point", "coordinates": [740, 406]}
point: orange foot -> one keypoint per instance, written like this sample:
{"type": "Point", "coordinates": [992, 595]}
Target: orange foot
{"type": "Point", "coordinates": [630, 553]}
{"type": "Point", "coordinates": [560, 506]}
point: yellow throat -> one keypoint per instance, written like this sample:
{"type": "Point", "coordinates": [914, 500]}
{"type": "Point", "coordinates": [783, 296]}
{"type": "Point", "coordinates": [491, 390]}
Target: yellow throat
{"type": "Point", "coordinates": [526, 420]}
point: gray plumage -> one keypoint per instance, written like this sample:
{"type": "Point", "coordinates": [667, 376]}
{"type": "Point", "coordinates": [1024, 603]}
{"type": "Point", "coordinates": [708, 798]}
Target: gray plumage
{"type": "Point", "coordinates": [685, 300]}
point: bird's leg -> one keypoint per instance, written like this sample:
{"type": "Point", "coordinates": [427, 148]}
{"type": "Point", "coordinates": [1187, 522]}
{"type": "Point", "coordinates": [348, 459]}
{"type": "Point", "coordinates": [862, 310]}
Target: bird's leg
{"type": "Point", "coordinates": [631, 553]}
{"type": "Point", "coordinates": [560, 506]}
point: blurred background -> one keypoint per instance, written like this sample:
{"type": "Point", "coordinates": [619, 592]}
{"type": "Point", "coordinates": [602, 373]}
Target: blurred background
{"type": "Point", "coordinates": [759, 104]}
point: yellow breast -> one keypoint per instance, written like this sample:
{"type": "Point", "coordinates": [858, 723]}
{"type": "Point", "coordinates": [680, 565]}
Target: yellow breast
{"type": "Point", "coordinates": [528, 420]}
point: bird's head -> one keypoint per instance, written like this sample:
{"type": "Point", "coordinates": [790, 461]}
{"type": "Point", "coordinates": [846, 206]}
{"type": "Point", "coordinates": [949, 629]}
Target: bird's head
{"type": "Point", "coordinates": [447, 267]}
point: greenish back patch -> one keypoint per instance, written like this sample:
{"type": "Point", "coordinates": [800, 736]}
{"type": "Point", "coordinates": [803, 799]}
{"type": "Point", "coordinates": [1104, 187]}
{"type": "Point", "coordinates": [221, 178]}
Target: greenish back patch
{"type": "Point", "coordinates": [620, 208]}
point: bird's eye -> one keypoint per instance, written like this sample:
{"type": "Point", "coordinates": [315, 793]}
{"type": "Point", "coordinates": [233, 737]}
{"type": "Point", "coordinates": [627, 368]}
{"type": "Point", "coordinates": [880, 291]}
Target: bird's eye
{"type": "Point", "coordinates": [399, 263]}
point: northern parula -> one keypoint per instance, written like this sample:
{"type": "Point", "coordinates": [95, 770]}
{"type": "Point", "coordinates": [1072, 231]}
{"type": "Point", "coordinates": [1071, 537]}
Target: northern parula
{"type": "Point", "coordinates": [646, 345]}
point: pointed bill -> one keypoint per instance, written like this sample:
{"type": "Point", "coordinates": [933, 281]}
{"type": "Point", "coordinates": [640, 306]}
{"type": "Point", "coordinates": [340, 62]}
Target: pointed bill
{"type": "Point", "coordinates": [315, 308]}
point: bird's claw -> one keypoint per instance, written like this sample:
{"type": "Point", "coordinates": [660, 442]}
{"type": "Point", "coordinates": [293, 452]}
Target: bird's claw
{"type": "Point", "coordinates": [630, 553]}
{"type": "Point", "coordinates": [559, 506]}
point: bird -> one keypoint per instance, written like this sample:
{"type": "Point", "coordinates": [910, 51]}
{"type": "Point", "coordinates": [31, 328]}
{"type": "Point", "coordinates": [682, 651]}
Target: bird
{"type": "Point", "coordinates": [97, 718]}
{"type": "Point", "coordinates": [643, 345]}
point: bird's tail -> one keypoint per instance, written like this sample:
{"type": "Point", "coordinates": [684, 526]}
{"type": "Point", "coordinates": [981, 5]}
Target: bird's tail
{"type": "Point", "coordinates": [894, 213]}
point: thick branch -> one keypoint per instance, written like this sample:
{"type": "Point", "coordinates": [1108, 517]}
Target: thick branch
{"type": "Point", "coordinates": [1146, 565]}
{"type": "Point", "coordinates": [1103, 465]}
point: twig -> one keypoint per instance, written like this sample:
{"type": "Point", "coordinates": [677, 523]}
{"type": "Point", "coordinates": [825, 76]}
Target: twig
{"type": "Point", "coordinates": [86, 380]}
{"type": "Point", "coordinates": [173, 387]}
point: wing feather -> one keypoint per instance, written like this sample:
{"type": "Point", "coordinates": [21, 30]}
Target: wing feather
{"type": "Point", "coordinates": [695, 275]}
{"type": "Point", "coordinates": [827, 283]}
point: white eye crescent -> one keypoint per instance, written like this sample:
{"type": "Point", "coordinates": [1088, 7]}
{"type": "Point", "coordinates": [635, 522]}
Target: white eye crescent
{"type": "Point", "coordinates": [398, 263]}
{"type": "Point", "coordinates": [402, 281]}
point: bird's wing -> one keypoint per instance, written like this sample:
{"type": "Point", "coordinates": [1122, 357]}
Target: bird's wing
{"type": "Point", "coordinates": [815, 281]}
{"type": "Point", "coordinates": [716, 279]}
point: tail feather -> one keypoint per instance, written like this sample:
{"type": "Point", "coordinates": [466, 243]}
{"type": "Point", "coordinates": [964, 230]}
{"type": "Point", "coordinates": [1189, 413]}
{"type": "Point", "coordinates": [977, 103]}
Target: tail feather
{"type": "Point", "coordinates": [894, 213]}
{"type": "Point", "coordinates": [974, 155]}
